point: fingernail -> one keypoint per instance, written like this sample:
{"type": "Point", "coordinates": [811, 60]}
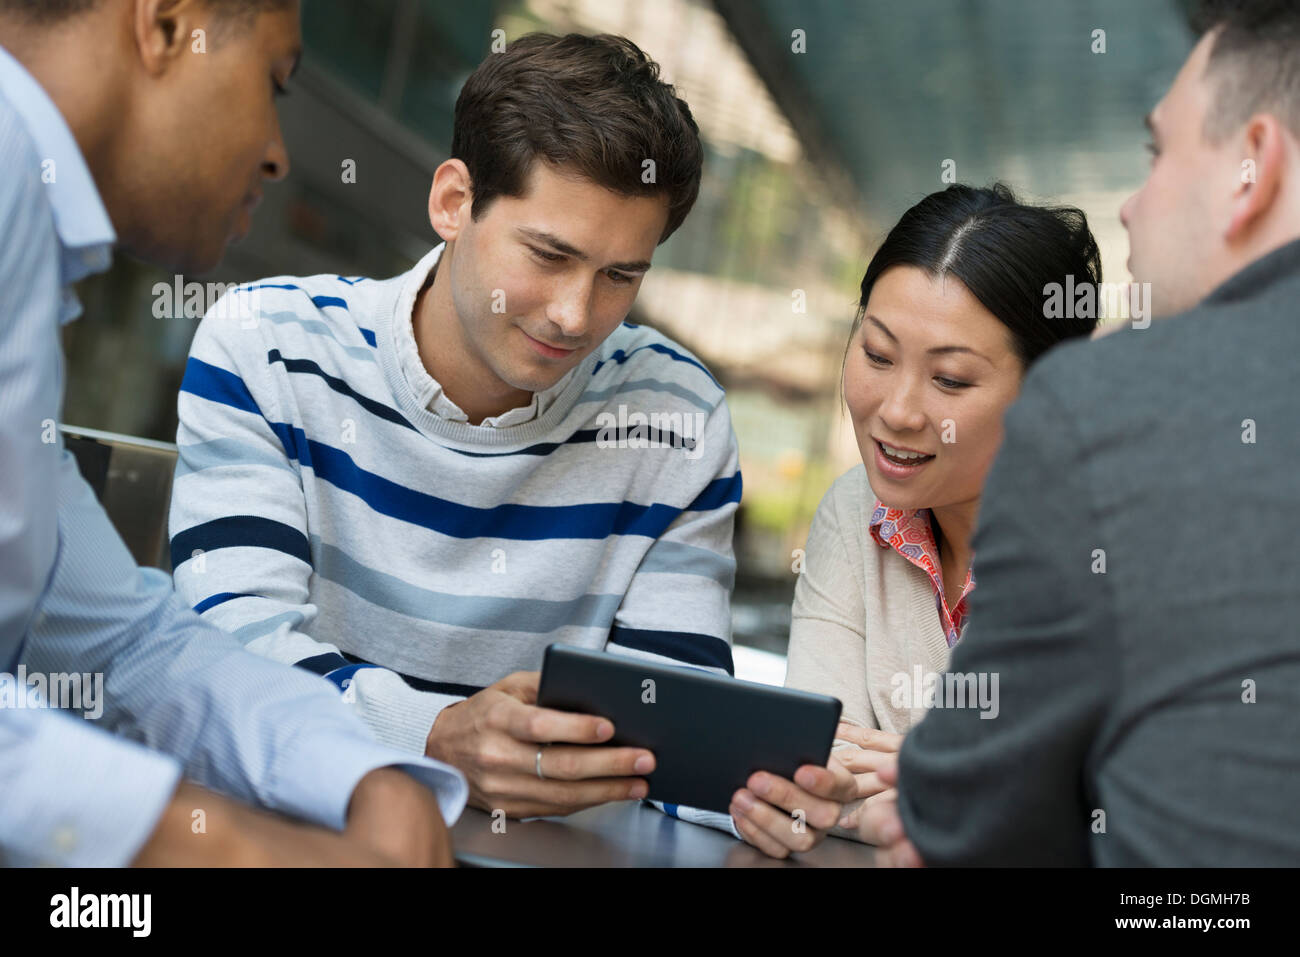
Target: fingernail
{"type": "Point", "coordinates": [639, 790]}
{"type": "Point", "coordinates": [644, 764]}
{"type": "Point", "coordinates": [604, 729]}
{"type": "Point", "coordinates": [759, 784]}
{"type": "Point", "coordinates": [744, 800]}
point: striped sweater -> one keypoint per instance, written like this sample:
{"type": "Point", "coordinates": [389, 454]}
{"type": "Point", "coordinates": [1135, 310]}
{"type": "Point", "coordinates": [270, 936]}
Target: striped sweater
{"type": "Point", "coordinates": [327, 518]}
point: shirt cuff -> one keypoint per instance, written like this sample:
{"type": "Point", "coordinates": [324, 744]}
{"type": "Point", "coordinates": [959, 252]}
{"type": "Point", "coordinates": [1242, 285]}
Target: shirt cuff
{"type": "Point", "coordinates": [81, 797]}
{"type": "Point", "coordinates": [396, 714]}
{"type": "Point", "coordinates": [714, 819]}
{"type": "Point", "coordinates": [317, 783]}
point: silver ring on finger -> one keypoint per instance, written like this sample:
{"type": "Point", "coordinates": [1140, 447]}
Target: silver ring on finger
{"type": "Point", "coordinates": [538, 763]}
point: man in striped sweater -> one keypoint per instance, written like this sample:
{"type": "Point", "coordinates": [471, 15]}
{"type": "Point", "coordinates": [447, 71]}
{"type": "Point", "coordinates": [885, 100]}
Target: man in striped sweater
{"type": "Point", "coordinates": [413, 485]}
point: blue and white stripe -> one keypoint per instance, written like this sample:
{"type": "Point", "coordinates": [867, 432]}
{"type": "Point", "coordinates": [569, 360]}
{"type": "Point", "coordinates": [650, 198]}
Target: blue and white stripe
{"type": "Point", "coordinates": [327, 519]}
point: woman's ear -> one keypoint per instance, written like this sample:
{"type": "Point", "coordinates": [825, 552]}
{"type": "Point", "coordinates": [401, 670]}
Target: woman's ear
{"type": "Point", "coordinates": [451, 199]}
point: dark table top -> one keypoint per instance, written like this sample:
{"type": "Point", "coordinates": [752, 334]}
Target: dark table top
{"type": "Point", "coordinates": [626, 834]}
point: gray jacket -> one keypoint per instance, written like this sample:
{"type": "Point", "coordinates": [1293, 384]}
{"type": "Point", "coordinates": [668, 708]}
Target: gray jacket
{"type": "Point", "coordinates": [1138, 596]}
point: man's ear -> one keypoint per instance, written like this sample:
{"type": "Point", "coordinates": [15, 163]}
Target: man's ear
{"type": "Point", "coordinates": [1263, 162]}
{"type": "Point", "coordinates": [165, 29]}
{"type": "Point", "coordinates": [450, 199]}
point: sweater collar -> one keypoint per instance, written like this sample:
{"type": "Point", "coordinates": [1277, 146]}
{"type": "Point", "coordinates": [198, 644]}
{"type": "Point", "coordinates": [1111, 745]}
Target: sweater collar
{"type": "Point", "coordinates": [395, 310]}
{"type": "Point", "coordinates": [428, 390]}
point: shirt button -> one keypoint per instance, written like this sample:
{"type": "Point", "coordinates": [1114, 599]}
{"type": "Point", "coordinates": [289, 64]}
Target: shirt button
{"type": "Point", "coordinates": [65, 840]}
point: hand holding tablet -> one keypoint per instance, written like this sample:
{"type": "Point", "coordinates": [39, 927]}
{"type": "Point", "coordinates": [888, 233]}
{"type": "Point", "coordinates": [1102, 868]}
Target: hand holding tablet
{"type": "Point", "coordinates": [709, 733]}
{"type": "Point", "coordinates": [529, 761]}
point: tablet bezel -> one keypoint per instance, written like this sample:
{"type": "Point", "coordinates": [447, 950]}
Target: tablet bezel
{"type": "Point", "coordinates": [701, 760]}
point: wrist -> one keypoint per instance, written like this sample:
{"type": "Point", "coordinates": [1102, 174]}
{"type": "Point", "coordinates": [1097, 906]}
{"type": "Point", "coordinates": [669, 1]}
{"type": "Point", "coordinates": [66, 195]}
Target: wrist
{"type": "Point", "coordinates": [376, 789]}
{"type": "Point", "coordinates": [432, 741]}
{"type": "Point", "coordinates": [395, 816]}
{"type": "Point", "coordinates": [222, 840]}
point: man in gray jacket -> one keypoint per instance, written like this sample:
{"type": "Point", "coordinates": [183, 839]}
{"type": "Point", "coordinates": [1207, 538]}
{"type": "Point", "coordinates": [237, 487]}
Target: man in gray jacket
{"type": "Point", "coordinates": [1137, 560]}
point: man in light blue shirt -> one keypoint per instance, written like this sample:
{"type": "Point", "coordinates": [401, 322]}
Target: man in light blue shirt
{"type": "Point", "coordinates": [117, 126]}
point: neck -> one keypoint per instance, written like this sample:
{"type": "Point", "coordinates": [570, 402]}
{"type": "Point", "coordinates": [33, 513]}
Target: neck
{"type": "Point", "coordinates": [449, 357]}
{"type": "Point", "coordinates": [956, 525]}
{"type": "Point", "coordinates": [83, 79]}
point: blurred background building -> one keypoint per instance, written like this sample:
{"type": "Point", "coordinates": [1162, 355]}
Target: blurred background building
{"type": "Point", "coordinates": [823, 120]}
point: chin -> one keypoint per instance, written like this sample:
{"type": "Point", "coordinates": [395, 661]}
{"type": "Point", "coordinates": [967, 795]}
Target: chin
{"type": "Point", "coordinates": [538, 383]}
{"type": "Point", "coordinates": [891, 499]}
{"type": "Point", "coordinates": [204, 264]}
{"type": "Point", "coordinates": [199, 260]}
{"type": "Point", "coordinates": [162, 255]}
{"type": "Point", "coordinates": [519, 376]}
{"type": "Point", "coordinates": [537, 376]}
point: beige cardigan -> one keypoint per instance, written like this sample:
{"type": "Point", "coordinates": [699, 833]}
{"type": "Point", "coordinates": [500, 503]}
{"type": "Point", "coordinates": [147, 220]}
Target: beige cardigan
{"type": "Point", "coordinates": [864, 618]}
{"type": "Point", "coordinates": [863, 615]}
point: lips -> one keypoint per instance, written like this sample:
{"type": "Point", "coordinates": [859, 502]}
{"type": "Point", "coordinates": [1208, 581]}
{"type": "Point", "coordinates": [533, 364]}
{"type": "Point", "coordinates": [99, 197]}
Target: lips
{"type": "Point", "coordinates": [899, 463]}
{"type": "Point", "coordinates": [902, 453]}
{"type": "Point", "coordinates": [546, 349]}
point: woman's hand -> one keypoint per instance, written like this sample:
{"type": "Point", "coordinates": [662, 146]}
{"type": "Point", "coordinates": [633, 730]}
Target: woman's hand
{"type": "Point", "coordinates": [780, 817]}
{"type": "Point", "coordinates": [882, 825]}
{"type": "Point", "coordinates": [871, 749]}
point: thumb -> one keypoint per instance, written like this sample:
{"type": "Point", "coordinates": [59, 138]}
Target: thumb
{"type": "Point", "coordinates": [521, 685]}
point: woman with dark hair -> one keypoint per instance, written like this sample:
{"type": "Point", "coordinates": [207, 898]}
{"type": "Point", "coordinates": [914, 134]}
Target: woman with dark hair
{"type": "Point", "coordinates": [952, 313]}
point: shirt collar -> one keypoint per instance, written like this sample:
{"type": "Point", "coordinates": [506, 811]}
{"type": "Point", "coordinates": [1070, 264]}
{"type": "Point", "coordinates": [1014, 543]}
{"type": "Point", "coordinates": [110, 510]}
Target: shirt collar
{"type": "Point", "coordinates": [888, 522]}
{"type": "Point", "coordinates": [80, 219]}
{"type": "Point", "coordinates": [428, 391]}
{"type": "Point", "coordinates": [908, 532]}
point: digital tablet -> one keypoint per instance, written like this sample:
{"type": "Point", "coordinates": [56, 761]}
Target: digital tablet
{"type": "Point", "coordinates": [708, 733]}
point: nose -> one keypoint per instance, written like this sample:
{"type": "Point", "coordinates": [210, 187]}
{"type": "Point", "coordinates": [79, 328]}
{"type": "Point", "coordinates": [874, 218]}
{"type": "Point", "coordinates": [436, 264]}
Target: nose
{"type": "Point", "coordinates": [901, 410]}
{"type": "Point", "coordinates": [571, 308]}
{"type": "Point", "coordinates": [1126, 211]}
{"type": "Point", "coordinates": [275, 165]}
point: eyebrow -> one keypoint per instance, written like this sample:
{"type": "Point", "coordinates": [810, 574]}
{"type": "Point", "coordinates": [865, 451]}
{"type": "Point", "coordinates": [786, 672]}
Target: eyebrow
{"type": "Point", "coordinates": [560, 246]}
{"type": "Point", "coordinates": [936, 350]}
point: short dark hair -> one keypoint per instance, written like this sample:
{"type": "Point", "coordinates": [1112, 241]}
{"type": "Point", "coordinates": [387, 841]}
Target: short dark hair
{"type": "Point", "coordinates": [1255, 60]}
{"type": "Point", "coordinates": [52, 11]}
{"type": "Point", "coordinates": [46, 11]}
{"type": "Point", "coordinates": [1004, 251]}
{"type": "Point", "coordinates": [592, 105]}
